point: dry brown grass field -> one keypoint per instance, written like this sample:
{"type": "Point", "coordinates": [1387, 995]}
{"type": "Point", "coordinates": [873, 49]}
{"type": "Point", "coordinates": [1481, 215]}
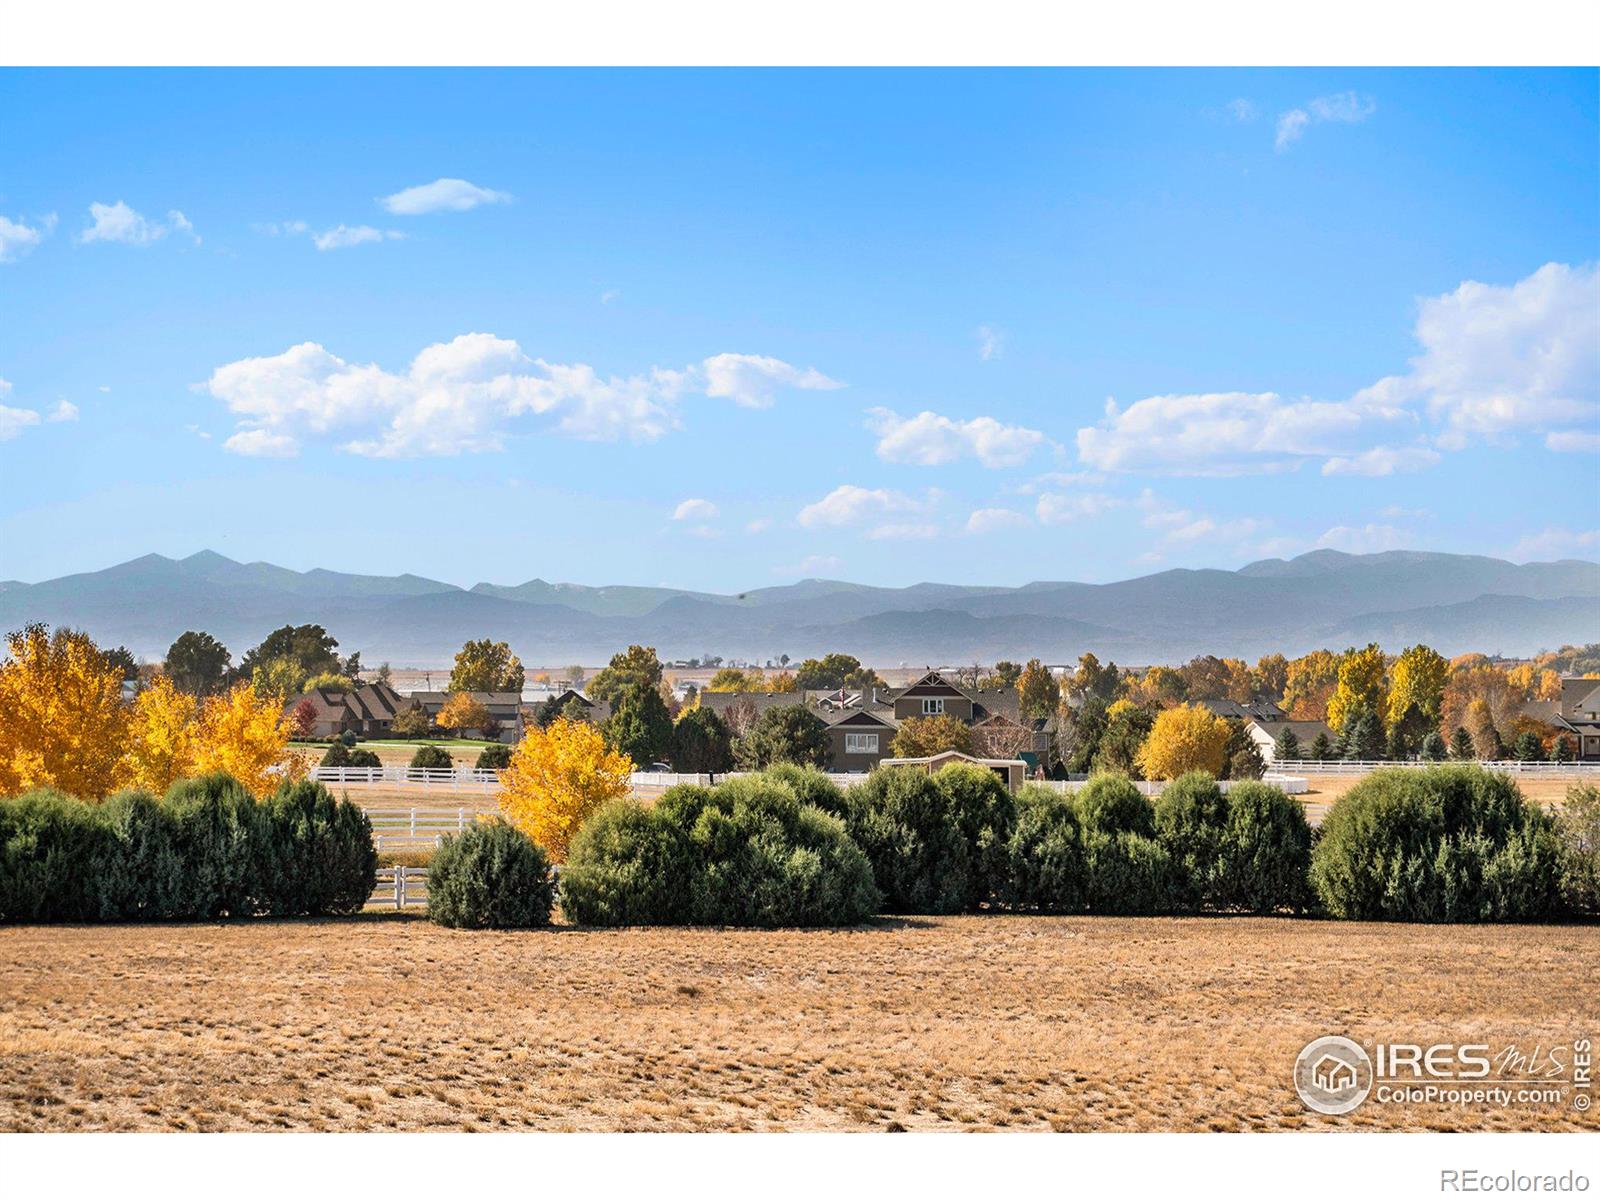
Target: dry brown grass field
{"type": "Point", "coordinates": [970, 1023]}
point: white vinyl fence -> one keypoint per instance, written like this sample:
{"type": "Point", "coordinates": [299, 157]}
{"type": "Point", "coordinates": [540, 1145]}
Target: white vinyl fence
{"type": "Point", "coordinates": [1360, 766]}
{"type": "Point", "coordinates": [1290, 784]}
{"type": "Point", "coordinates": [455, 778]}
{"type": "Point", "coordinates": [400, 887]}
{"type": "Point", "coordinates": [415, 828]}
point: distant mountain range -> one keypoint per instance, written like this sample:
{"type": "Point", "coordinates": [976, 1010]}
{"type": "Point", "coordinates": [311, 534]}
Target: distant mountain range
{"type": "Point", "coordinates": [1453, 602]}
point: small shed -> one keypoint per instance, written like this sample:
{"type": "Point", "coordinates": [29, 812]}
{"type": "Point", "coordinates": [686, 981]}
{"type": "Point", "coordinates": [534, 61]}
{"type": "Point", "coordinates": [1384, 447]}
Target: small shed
{"type": "Point", "coordinates": [1012, 771]}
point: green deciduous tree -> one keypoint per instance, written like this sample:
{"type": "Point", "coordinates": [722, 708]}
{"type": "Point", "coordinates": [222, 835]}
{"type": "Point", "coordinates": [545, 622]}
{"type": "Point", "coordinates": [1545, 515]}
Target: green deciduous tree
{"type": "Point", "coordinates": [486, 666]}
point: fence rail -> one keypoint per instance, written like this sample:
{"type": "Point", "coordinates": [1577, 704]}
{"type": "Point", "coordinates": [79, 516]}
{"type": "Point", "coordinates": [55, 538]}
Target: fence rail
{"type": "Point", "coordinates": [1358, 766]}
{"type": "Point", "coordinates": [401, 888]}
{"type": "Point", "coordinates": [456, 777]}
{"type": "Point", "coordinates": [1293, 785]}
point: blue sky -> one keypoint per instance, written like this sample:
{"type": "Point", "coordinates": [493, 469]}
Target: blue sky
{"type": "Point", "coordinates": [724, 329]}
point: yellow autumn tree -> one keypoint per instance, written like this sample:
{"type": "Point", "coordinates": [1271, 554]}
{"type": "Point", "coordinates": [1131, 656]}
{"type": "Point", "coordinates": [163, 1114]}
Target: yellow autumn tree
{"type": "Point", "coordinates": [161, 743]}
{"type": "Point", "coordinates": [1361, 677]}
{"type": "Point", "coordinates": [62, 720]}
{"type": "Point", "coordinates": [1186, 738]}
{"type": "Point", "coordinates": [1308, 684]}
{"type": "Point", "coordinates": [461, 713]}
{"type": "Point", "coordinates": [558, 776]}
{"type": "Point", "coordinates": [246, 734]}
{"type": "Point", "coordinates": [1417, 681]}
{"type": "Point", "coordinates": [920, 737]}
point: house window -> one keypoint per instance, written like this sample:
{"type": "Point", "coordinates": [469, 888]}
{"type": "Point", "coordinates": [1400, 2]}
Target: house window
{"type": "Point", "coordinates": [860, 743]}
{"type": "Point", "coordinates": [933, 708]}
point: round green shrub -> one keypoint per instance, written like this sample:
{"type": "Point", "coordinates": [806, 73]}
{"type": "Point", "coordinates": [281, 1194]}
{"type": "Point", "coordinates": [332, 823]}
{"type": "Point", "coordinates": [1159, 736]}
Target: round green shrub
{"type": "Point", "coordinates": [142, 879]}
{"type": "Point", "coordinates": [338, 755]}
{"type": "Point", "coordinates": [921, 860]}
{"type": "Point", "coordinates": [1126, 870]}
{"type": "Point", "coordinates": [745, 853]}
{"type": "Point", "coordinates": [490, 876]}
{"type": "Point", "coordinates": [364, 758]}
{"type": "Point", "coordinates": [323, 854]}
{"type": "Point", "coordinates": [493, 758]}
{"type": "Point", "coordinates": [810, 786]}
{"type": "Point", "coordinates": [1451, 843]}
{"type": "Point", "coordinates": [52, 850]}
{"type": "Point", "coordinates": [224, 841]}
{"type": "Point", "coordinates": [431, 758]}
{"type": "Point", "coordinates": [1265, 852]}
{"type": "Point", "coordinates": [1112, 804]}
{"type": "Point", "coordinates": [1046, 854]}
{"type": "Point", "coordinates": [985, 814]}
{"type": "Point", "coordinates": [1191, 814]}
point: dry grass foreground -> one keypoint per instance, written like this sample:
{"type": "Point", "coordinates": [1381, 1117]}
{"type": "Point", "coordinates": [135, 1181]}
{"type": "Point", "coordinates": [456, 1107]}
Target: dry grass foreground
{"type": "Point", "coordinates": [953, 1023]}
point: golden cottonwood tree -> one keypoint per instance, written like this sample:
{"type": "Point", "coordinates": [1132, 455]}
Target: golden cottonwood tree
{"type": "Point", "coordinates": [1186, 738]}
{"type": "Point", "coordinates": [919, 737]}
{"type": "Point", "coordinates": [246, 734]}
{"type": "Point", "coordinates": [557, 778]}
{"type": "Point", "coordinates": [62, 720]}
{"type": "Point", "coordinates": [1038, 693]}
{"type": "Point", "coordinates": [1361, 678]}
{"type": "Point", "coordinates": [1417, 681]}
{"type": "Point", "coordinates": [161, 743]}
{"type": "Point", "coordinates": [461, 713]}
{"type": "Point", "coordinates": [1308, 684]}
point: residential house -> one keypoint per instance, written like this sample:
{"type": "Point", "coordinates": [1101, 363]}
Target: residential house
{"type": "Point", "coordinates": [1249, 710]}
{"type": "Point", "coordinates": [575, 703]}
{"type": "Point", "coordinates": [367, 711]}
{"type": "Point", "coordinates": [862, 722]}
{"type": "Point", "coordinates": [1265, 735]}
{"type": "Point", "coordinates": [505, 709]}
{"type": "Point", "coordinates": [1579, 717]}
{"type": "Point", "coordinates": [1012, 771]}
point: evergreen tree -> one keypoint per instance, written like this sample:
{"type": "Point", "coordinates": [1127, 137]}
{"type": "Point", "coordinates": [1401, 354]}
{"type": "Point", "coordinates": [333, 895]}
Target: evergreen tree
{"type": "Point", "coordinates": [1528, 747]}
{"type": "Point", "coordinates": [640, 725]}
{"type": "Point", "coordinates": [1561, 750]}
{"type": "Point", "coordinates": [1321, 748]}
{"type": "Point", "coordinates": [1363, 735]}
{"type": "Point", "coordinates": [1397, 749]}
{"type": "Point", "coordinates": [784, 733]}
{"type": "Point", "coordinates": [1461, 747]}
{"type": "Point", "coordinates": [1433, 748]}
{"type": "Point", "coordinates": [700, 743]}
{"type": "Point", "coordinates": [1287, 745]}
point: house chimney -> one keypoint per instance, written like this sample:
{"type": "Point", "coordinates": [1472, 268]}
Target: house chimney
{"type": "Point", "coordinates": [874, 693]}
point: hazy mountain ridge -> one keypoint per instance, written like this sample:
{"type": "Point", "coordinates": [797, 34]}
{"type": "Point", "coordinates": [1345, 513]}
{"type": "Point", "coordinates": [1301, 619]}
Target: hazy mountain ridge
{"type": "Point", "coordinates": [1326, 598]}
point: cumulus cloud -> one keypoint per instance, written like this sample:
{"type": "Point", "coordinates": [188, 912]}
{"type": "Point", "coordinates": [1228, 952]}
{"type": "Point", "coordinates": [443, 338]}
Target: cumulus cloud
{"type": "Point", "coordinates": [18, 238]}
{"type": "Point", "coordinates": [119, 223]}
{"type": "Point", "coordinates": [849, 504]}
{"type": "Point", "coordinates": [694, 510]}
{"type": "Point", "coordinates": [993, 520]}
{"type": "Point", "coordinates": [991, 342]}
{"type": "Point", "coordinates": [1556, 543]}
{"type": "Point", "coordinates": [1180, 525]}
{"type": "Point", "coordinates": [442, 195]}
{"type": "Point", "coordinates": [1233, 433]}
{"type": "Point", "coordinates": [750, 380]}
{"type": "Point", "coordinates": [14, 420]}
{"type": "Point", "coordinates": [1382, 460]}
{"type": "Point", "coordinates": [1363, 539]}
{"type": "Point", "coordinates": [1573, 441]}
{"type": "Point", "coordinates": [1496, 361]}
{"type": "Point", "coordinates": [1346, 108]}
{"type": "Point", "coordinates": [931, 440]}
{"type": "Point", "coordinates": [1060, 508]}
{"type": "Point", "coordinates": [342, 236]}
{"type": "Point", "coordinates": [461, 396]}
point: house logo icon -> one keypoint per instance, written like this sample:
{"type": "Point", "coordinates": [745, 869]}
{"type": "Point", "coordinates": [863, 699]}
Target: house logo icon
{"type": "Point", "coordinates": [1333, 1076]}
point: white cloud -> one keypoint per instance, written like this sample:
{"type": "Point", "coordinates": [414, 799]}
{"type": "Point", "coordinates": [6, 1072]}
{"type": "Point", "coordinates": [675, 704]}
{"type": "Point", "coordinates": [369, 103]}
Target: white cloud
{"type": "Point", "coordinates": [1345, 108]}
{"type": "Point", "coordinates": [815, 564]}
{"type": "Point", "coordinates": [343, 236]}
{"type": "Point", "coordinates": [1573, 441]}
{"type": "Point", "coordinates": [848, 504]}
{"type": "Point", "coordinates": [442, 195]}
{"type": "Point", "coordinates": [1185, 525]}
{"type": "Point", "coordinates": [1363, 539]}
{"type": "Point", "coordinates": [14, 420]}
{"type": "Point", "coordinates": [903, 531]}
{"type": "Point", "coordinates": [750, 379]}
{"type": "Point", "coordinates": [991, 342]}
{"type": "Point", "coordinates": [1056, 508]}
{"type": "Point", "coordinates": [931, 440]}
{"type": "Point", "coordinates": [759, 525]}
{"type": "Point", "coordinates": [1556, 543]}
{"type": "Point", "coordinates": [260, 443]}
{"type": "Point", "coordinates": [1502, 360]}
{"type": "Point", "coordinates": [1059, 479]}
{"type": "Point", "coordinates": [1241, 109]}
{"type": "Point", "coordinates": [119, 223]}
{"type": "Point", "coordinates": [1382, 460]}
{"type": "Point", "coordinates": [17, 239]}
{"type": "Point", "coordinates": [1232, 433]}
{"type": "Point", "coordinates": [694, 510]}
{"type": "Point", "coordinates": [610, 294]}
{"type": "Point", "coordinates": [993, 520]}
{"type": "Point", "coordinates": [456, 397]}
{"type": "Point", "coordinates": [64, 410]}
